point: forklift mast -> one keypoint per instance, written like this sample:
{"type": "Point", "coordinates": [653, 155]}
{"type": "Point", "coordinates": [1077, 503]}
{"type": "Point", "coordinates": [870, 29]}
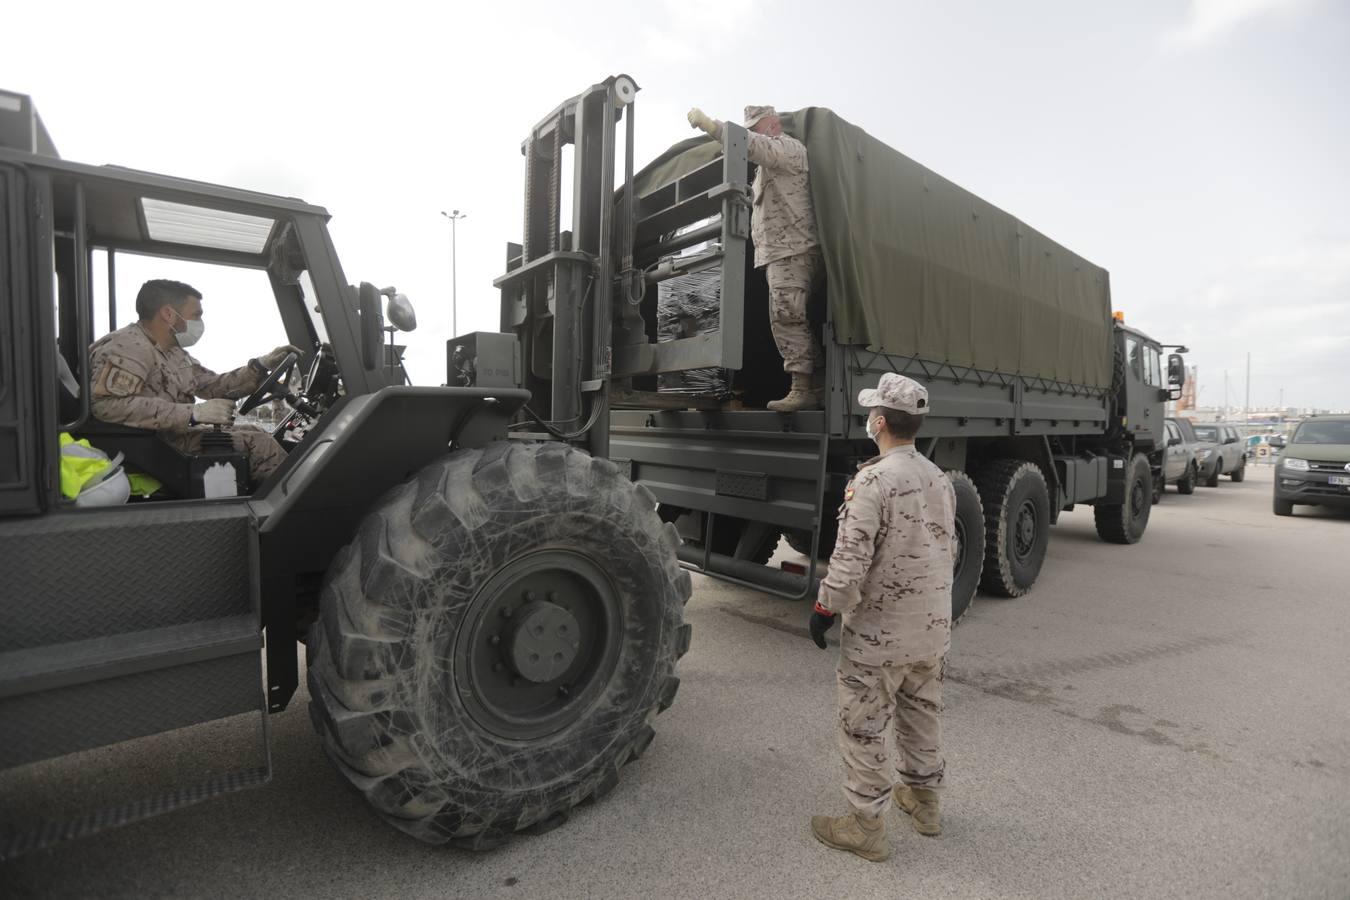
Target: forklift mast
{"type": "Point", "coordinates": [580, 300]}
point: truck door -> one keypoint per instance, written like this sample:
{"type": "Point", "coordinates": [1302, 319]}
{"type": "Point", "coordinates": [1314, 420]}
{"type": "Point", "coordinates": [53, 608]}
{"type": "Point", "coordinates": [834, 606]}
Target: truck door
{"type": "Point", "coordinates": [23, 444]}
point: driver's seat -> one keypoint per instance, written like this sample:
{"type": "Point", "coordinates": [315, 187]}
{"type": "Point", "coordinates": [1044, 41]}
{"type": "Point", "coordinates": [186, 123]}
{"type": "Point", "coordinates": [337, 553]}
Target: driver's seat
{"type": "Point", "coordinates": [182, 475]}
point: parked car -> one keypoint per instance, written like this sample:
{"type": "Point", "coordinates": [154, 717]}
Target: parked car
{"type": "Point", "coordinates": [1179, 465]}
{"type": "Point", "coordinates": [1204, 450]}
{"type": "Point", "coordinates": [1314, 465]}
{"type": "Point", "coordinates": [1229, 456]}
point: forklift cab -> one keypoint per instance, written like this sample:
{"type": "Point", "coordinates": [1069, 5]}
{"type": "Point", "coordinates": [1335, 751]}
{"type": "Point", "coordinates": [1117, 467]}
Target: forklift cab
{"type": "Point", "coordinates": [77, 240]}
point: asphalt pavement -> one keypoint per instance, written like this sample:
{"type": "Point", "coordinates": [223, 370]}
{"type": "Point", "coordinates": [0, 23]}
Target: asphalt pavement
{"type": "Point", "coordinates": [1162, 720]}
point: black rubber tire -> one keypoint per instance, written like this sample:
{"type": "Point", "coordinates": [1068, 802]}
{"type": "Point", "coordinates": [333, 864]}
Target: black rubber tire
{"type": "Point", "coordinates": [1012, 489]}
{"type": "Point", "coordinates": [387, 675]}
{"type": "Point", "coordinates": [1213, 480]}
{"type": "Point", "coordinates": [1159, 486]}
{"type": "Point", "coordinates": [970, 543]}
{"type": "Point", "coordinates": [829, 530]}
{"type": "Point", "coordinates": [1240, 473]}
{"type": "Point", "coordinates": [1284, 507]}
{"type": "Point", "coordinates": [1187, 483]}
{"type": "Point", "coordinates": [727, 535]}
{"type": "Point", "coordinates": [1125, 523]}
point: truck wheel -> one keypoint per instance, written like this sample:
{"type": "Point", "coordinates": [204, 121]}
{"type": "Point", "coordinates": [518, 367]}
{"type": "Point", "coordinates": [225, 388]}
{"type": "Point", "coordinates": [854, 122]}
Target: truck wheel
{"type": "Point", "coordinates": [969, 543]}
{"type": "Point", "coordinates": [727, 536]}
{"type": "Point", "coordinates": [801, 540]}
{"type": "Point", "coordinates": [495, 642]}
{"type": "Point", "coordinates": [1283, 507]}
{"type": "Point", "coordinates": [1187, 483]}
{"type": "Point", "coordinates": [1159, 486]}
{"type": "Point", "coordinates": [1213, 480]}
{"type": "Point", "coordinates": [1125, 523]}
{"type": "Point", "coordinates": [1016, 525]}
{"type": "Point", "coordinates": [1240, 472]}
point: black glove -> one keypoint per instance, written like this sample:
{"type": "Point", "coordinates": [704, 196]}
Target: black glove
{"type": "Point", "coordinates": [822, 620]}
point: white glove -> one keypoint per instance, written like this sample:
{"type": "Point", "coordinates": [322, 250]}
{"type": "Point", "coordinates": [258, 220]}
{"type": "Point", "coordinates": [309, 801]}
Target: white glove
{"type": "Point", "coordinates": [213, 412]}
{"type": "Point", "coordinates": [271, 360]}
{"type": "Point", "coordinates": [700, 120]}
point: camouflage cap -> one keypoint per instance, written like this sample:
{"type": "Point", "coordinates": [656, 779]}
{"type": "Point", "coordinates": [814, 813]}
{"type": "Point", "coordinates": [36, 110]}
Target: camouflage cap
{"type": "Point", "coordinates": [898, 393]}
{"type": "Point", "coordinates": [754, 113]}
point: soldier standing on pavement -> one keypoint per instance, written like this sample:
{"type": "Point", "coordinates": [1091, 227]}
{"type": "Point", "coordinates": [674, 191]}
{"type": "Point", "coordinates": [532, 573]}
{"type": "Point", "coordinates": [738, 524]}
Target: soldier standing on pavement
{"type": "Point", "coordinates": [890, 578]}
{"type": "Point", "coordinates": [783, 227]}
{"type": "Point", "coordinates": [143, 377]}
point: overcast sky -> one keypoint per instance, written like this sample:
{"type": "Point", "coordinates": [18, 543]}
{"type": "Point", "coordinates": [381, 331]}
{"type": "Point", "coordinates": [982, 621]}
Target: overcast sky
{"type": "Point", "coordinates": [1198, 149]}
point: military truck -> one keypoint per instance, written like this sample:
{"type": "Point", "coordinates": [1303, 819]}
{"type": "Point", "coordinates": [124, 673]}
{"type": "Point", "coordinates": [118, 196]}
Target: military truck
{"type": "Point", "coordinates": [1042, 397]}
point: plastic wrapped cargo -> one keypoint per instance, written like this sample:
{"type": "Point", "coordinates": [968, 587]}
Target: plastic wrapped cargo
{"type": "Point", "coordinates": [685, 306]}
{"type": "Point", "coordinates": [920, 267]}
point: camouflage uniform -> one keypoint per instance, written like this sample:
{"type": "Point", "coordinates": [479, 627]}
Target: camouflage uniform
{"type": "Point", "coordinates": [783, 227]}
{"type": "Point", "coordinates": [139, 384]}
{"type": "Point", "coordinates": [890, 578]}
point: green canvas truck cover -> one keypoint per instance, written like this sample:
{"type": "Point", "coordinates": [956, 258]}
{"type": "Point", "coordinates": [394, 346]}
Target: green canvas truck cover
{"type": "Point", "coordinates": [918, 266]}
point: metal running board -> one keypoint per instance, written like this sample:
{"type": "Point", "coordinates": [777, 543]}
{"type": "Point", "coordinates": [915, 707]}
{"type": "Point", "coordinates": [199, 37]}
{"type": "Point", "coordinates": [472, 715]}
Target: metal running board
{"type": "Point", "coordinates": [44, 835]}
{"type": "Point", "coordinates": [49, 835]}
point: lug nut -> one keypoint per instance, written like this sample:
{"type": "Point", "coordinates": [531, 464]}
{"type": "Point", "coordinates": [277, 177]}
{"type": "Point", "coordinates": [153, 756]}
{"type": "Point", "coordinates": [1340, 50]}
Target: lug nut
{"type": "Point", "coordinates": [506, 612]}
{"type": "Point", "coordinates": [529, 596]}
{"type": "Point", "coordinates": [498, 667]}
{"type": "Point", "coordinates": [495, 640]}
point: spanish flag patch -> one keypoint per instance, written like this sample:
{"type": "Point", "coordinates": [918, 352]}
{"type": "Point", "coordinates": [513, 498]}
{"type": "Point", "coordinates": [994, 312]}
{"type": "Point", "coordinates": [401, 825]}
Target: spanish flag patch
{"type": "Point", "coordinates": [848, 495]}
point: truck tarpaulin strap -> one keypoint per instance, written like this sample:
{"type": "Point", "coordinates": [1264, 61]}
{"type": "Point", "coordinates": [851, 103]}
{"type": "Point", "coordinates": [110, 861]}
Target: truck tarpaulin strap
{"type": "Point", "coordinates": [917, 266]}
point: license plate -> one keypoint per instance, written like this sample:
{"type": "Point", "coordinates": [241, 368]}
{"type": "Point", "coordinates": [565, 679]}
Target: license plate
{"type": "Point", "coordinates": [1339, 479]}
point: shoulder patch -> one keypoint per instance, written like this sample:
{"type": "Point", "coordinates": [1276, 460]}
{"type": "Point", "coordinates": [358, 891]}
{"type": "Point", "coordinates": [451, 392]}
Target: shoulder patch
{"type": "Point", "coordinates": [115, 381]}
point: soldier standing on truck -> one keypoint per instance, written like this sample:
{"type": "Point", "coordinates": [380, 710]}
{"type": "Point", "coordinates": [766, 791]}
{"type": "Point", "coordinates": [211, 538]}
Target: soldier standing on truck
{"type": "Point", "coordinates": [143, 377]}
{"type": "Point", "coordinates": [783, 228]}
{"type": "Point", "coordinates": [890, 577]}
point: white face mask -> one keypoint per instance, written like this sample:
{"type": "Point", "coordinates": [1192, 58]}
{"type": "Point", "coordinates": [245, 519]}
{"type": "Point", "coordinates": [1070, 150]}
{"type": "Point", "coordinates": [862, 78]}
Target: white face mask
{"type": "Point", "coordinates": [872, 431]}
{"type": "Point", "coordinates": [193, 333]}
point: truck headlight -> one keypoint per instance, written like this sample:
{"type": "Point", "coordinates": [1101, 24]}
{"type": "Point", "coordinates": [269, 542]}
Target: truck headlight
{"type": "Point", "coordinates": [1297, 465]}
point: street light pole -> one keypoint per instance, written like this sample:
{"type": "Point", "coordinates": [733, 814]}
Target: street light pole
{"type": "Point", "coordinates": [454, 216]}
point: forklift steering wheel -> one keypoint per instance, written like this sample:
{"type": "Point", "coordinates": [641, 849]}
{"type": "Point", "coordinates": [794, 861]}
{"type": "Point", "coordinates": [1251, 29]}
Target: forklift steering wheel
{"type": "Point", "coordinates": [267, 389]}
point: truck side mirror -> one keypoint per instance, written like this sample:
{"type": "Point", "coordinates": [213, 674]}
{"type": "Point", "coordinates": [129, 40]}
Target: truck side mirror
{"type": "Point", "coordinates": [1176, 369]}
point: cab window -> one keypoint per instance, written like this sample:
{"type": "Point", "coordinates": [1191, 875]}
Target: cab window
{"type": "Point", "coordinates": [1132, 356]}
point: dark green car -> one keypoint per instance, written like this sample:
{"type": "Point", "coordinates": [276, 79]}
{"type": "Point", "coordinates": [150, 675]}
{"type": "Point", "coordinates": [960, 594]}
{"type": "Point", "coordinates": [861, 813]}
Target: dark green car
{"type": "Point", "coordinates": [1314, 465]}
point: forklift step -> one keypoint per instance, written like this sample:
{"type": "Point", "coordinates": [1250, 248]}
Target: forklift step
{"type": "Point", "coordinates": [13, 844]}
{"type": "Point", "coordinates": [73, 696]}
{"type": "Point", "coordinates": [96, 659]}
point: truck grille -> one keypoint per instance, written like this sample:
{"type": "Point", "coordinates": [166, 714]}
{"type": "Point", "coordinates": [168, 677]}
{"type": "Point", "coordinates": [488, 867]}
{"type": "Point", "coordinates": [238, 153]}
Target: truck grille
{"type": "Point", "coordinates": [1329, 467]}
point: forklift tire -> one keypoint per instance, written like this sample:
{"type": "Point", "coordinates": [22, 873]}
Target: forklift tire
{"type": "Point", "coordinates": [494, 644]}
{"type": "Point", "coordinates": [969, 543]}
{"type": "Point", "coordinates": [1016, 525]}
{"type": "Point", "coordinates": [1125, 523]}
{"type": "Point", "coordinates": [1187, 483]}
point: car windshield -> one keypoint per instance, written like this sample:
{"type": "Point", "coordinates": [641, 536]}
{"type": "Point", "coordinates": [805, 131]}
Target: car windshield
{"type": "Point", "coordinates": [1332, 432]}
{"type": "Point", "coordinates": [1206, 432]}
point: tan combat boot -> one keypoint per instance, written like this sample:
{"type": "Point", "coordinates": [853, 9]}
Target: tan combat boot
{"type": "Point", "coordinates": [922, 806]}
{"type": "Point", "coordinates": [802, 395]}
{"type": "Point", "coordinates": [854, 833]}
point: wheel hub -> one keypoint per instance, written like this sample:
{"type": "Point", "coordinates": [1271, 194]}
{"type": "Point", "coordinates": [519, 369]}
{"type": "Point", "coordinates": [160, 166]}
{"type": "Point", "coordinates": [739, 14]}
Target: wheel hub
{"type": "Point", "coordinates": [1024, 537]}
{"type": "Point", "coordinates": [544, 643]}
{"type": "Point", "coordinates": [539, 643]}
